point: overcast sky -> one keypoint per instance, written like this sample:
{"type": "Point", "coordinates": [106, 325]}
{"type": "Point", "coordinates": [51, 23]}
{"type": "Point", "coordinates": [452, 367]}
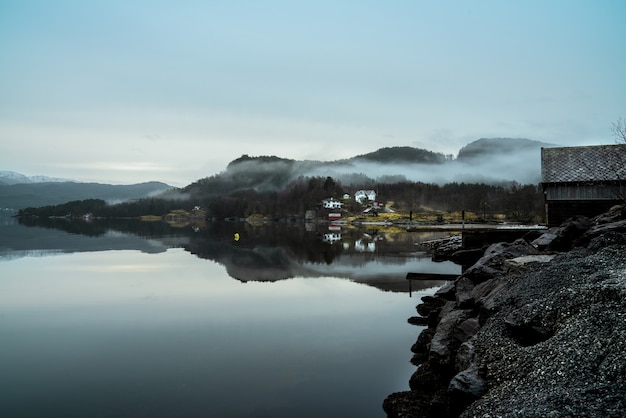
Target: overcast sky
{"type": "Point", "coordinates": [130, 90]}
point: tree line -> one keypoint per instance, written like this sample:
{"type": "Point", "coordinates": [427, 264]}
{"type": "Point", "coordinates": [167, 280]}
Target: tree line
{"type": "Point", "coordinates": [516, 201]}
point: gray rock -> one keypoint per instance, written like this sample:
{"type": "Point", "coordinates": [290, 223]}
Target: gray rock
{"type": "Point", "coordinates": [447, 291]}
{"type": "Point", "coordinates": [444, 342]}
{"type": "Point", "coordinates": [546, 239]}
{"type": "Point", "coordinates": [465, 356]}
{"type": "Point", "coordinates": [491, 265]}
{"type": "Point", "coordinates": [466, 329]}
{"type": "Point", "coordinates": [547, 339]}
{"type": "Point", "coordinates": [577, 304]}
{"type": "Point", "coordinates": [464, 287]}
{"type": "Point", "coordinates": [595, 231]}
{"type": "Point", "coordinates": [468, 384]}
{"type": "Point", "coordinates": [519, 263]}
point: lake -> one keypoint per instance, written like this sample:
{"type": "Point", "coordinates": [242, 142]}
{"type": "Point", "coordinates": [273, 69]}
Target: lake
{"type": "Point", "coordinates": [130, 319]}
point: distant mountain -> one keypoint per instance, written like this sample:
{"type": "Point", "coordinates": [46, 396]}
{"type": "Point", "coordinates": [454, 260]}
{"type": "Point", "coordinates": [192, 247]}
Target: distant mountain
{"type": "Point", "coordinates": [11, 177]}
{"type": "Point", "coordinates": [486, 160]}
{"type": "Point", "coordinates": [486, 147]}
{"type": "Point", "coordinates": [22, 195]}
{"type": "Point", "coordinates": [402, 155]}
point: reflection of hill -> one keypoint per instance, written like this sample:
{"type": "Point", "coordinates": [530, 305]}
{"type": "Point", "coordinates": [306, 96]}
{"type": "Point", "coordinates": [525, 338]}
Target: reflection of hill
{"type": "Point", "coordinates": [268, 252]}
{"type": "Point", "coordinates": [280, 253]}
{"type": "Point", "coordinates": [18, 241]}
{"type": "Point", "coordinates": [263, 253]}
{"type": "Point", "coordinates": [53, 193]}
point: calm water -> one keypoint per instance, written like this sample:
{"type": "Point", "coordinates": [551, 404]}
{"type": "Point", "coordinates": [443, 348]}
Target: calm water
{"type": "Point", "coordinates": [126, 320]}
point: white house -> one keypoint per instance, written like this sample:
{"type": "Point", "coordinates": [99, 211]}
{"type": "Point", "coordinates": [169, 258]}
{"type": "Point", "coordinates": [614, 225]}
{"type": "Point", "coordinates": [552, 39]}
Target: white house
{"type": "Point", "coordinates": [361, 195]}
{"type": "Point", "coordinates": [332, 203]}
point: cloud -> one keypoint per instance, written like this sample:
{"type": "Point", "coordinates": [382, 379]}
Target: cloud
{"type": "Point", "coordinates": [524, 168]}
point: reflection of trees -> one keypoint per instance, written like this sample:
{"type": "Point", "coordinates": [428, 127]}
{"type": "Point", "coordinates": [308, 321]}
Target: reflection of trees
{"type": "Point", "coordinates": [69, 226]}
{"type": "Point", "coordinates": [264, 252]}
{"type": "Point", "coordinates": [296, 243]}
{"type": "Point", "coordinates": [213, 242]}
{"type": "Point", "coordinates": [100, 227]}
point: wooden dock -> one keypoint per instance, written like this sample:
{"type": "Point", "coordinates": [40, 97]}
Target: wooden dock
{"type": "Point", "coordinates": [431, 276]}
{"type": "Point", "coordinates": [437, 277]}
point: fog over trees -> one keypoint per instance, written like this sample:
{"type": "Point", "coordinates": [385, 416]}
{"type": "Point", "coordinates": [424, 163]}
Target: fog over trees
{"type": "Point", "coordinates": [489, 176]}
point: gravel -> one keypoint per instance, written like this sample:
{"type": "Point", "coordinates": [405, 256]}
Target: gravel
{"type": "Point", "coordinates": [578, 369]}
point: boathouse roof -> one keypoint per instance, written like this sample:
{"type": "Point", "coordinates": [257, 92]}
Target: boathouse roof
{"type": "Point", "coordinates": [583, 164]}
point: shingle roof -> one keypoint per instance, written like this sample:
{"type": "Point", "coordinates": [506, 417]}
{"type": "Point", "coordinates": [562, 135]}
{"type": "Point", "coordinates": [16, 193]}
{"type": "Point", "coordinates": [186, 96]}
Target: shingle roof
{"type": "Point", "coordinates": [590, 163]}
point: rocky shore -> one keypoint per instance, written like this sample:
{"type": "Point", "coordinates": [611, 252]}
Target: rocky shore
{"type": "Point", "coordinates": [535, 328]}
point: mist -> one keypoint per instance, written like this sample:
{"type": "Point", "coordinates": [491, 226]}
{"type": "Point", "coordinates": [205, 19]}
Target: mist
{"type": "Point", "coordinates": [522, 167]}
{"type": "Point", "coordinates": [494, 161]}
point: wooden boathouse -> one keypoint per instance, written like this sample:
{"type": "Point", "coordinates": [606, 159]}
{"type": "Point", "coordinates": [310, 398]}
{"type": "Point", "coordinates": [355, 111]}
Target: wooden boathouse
{"type": "Point", "coordinates": [584, 180]}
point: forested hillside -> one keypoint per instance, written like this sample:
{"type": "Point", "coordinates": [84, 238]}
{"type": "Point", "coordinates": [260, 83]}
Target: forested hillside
{"type": "Point", "coordinates": [518, 202]}
{"type": "Point", "coordinates": [483, 181]}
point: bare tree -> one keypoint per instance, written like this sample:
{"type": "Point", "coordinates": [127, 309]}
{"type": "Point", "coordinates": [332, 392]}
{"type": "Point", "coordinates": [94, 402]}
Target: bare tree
{"type": "Point", "coordinates": [618, 163]}
{"type": "Point", "coordinates": [619, 131]}
{"type": "Point", "coordinates": [605, 165]}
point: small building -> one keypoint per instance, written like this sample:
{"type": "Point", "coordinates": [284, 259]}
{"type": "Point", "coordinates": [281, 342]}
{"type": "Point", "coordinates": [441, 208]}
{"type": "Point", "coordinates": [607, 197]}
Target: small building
{"type": "Point", "coordinates": [365, 195]}
{"type": "Point", "coordinates": [375, 208]}
{"type": "Point", "coordinates": [582, 180]}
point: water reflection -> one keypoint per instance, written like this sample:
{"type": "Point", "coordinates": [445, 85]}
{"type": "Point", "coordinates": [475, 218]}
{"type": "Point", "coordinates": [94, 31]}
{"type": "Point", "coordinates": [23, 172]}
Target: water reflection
{"type": "Point", "coordinates": [122, 321]}
{"type": "Point", "coordinates": [129, 334]}
{"type": "Point", "coordinates": [261, 252]}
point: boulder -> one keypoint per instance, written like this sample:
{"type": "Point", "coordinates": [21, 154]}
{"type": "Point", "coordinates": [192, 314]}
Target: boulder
{"type": "Point", "coordinates": [616, 213]}
{"type": "Point", "coordinates": [598, 230]}
{"type": "Point", "coordinates": [466, 329]}
{"type": "Point", "coordinates": [491, 264]}
{"type": "Point", "coordinates": [447, 291]}
{"type": "Point", "coordinates": [545, 240]}
{"type": "Point", "coordinates": [488, 296]}
{"type": "Point", "coordinates": [515, 265]}
{"type": "Point", "coordinates": [429, 304]}
{"type": "Point", "coordinates": [562, 238]}
{"type": "Point", "coordinates": [445, 341]}
{"type": "Point", "coordinates": [468, 384]}
{"type": "Point", "coordinates": [465, 355]}
{"type": "Point", "coordinates": [464, 287]}
{"type": "Point", "coordinates": [464, 388]}
{"type": "Point", "coordinates": [467, 257]}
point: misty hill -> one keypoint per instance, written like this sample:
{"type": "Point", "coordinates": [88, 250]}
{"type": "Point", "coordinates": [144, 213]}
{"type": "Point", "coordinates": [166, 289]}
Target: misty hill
{"type": "Point", "coordinates": [402, 155]}
{"type": "Point", "coordinates": [487, 147]}
{"type": "Point", "coordinates": [22, 195]}
{"type": "Point", "coordinates": [487, 160]}
{"type": "Point", "coordinates": [11, 177]}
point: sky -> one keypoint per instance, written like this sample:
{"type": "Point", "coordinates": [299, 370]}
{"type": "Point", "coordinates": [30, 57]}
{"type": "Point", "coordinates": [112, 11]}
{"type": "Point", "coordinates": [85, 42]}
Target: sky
{"type": "Point", "coordinates": [126, 91]}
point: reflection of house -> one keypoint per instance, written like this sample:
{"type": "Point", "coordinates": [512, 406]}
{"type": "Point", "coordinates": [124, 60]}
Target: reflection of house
{"type": "Point", "coordinates": [363, 195]}
{"type": "Point", "coordinates": [364, 246]}
{"type": "Point", "coordinates": [332, 237]}
{"type": "Point", "coordinates": [334, 216]}
{"type": "Point", "coordinates": [332, 203]}
{"type": "Point", "coordinates": [582, 180]}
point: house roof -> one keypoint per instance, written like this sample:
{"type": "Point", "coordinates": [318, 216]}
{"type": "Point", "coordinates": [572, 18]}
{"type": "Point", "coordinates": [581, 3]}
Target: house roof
{"type": "Point", "coordinates": [590, 163]}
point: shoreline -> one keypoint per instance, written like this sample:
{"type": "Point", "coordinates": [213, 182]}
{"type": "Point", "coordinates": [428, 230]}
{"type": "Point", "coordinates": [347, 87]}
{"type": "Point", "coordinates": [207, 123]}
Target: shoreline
{"type": "Point", "coordinates": [532, 329]}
